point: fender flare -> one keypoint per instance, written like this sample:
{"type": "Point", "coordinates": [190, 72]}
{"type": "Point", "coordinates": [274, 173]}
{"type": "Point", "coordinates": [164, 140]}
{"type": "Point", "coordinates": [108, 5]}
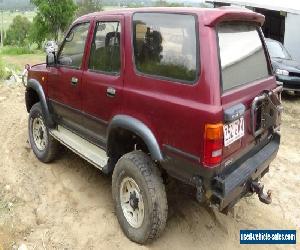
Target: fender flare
{"type": "Point", "coordinates": [37, 87]}
{"type": "Point", "coordinates": [139, 128]}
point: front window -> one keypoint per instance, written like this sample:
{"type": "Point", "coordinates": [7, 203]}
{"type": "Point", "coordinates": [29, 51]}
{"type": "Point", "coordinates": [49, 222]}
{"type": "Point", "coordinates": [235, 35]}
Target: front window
{"type": "Point", "coordinates": [277, 50]}
{"type": "Point", "coordinates": [242, 55]}
{"type": "Point", "coordinates": [165, 45]}
{"type": "Point", "coordinates": [105, 50]}
{"type": "Point", "coordinates": [72, 51]}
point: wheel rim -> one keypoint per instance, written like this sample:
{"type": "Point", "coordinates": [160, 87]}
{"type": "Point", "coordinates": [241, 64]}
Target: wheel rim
{"type": "Point", "coordinates": [39, 133]}
{"type": "Point", "coordinates": [132, 202]}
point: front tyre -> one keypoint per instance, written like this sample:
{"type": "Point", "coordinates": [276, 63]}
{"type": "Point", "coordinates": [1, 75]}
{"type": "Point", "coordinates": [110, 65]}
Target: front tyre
{"type": "Point", "coordinates": [139, 197]}
{"type": "Point", "coordinates": [42, 143]}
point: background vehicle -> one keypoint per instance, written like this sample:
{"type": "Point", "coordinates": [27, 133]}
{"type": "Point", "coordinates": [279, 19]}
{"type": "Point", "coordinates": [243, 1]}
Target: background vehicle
{"type": "Point", "coordinates": [286, 69]}
{"type": "Point", "coordinates": [134, 99]}
{"type": "Point", "coordinates": [50, 47]}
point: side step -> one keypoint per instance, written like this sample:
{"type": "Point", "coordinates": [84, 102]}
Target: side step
{"type": "Point", "coordinates": [88, 151]}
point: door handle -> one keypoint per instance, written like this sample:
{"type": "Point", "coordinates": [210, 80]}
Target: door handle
{"type": "Point", "coordinates": [74, 81]}
{"type": "Point", "coordinates": [111, 92]}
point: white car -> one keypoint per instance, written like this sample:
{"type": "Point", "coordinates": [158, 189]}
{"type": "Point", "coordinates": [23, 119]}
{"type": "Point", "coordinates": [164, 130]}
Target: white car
{"type": "Point", "coordinates": [51, 47]}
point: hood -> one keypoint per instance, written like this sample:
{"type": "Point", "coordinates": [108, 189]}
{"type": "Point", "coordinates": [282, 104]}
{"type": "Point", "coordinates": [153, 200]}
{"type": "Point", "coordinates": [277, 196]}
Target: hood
{"type": "Point", "coordinates": [289, 65]}
{"type": "Point", "coordinates": [40, 66]}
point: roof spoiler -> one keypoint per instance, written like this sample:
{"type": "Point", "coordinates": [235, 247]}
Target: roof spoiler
{"type": "Point", "coordinates": [233, 15]}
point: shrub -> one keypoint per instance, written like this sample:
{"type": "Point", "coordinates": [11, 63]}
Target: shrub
{"type": "Point", "coordinates": [3, 72]}
{"type": "Point", "coordinates": [18, 32]}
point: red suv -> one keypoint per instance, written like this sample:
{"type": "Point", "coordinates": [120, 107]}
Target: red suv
{"type": "Point", "coordinates": [150, 93]}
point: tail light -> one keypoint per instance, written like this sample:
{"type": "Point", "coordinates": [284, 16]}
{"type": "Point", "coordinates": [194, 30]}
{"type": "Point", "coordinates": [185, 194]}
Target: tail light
{"type": "Point", "coordinates": [213, 145]}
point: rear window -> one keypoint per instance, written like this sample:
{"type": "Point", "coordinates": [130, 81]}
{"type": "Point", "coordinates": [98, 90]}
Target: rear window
{"type": "Point", "coordinates": [243, 58]}
{"type": "Point", "coordinates": [165, 45]}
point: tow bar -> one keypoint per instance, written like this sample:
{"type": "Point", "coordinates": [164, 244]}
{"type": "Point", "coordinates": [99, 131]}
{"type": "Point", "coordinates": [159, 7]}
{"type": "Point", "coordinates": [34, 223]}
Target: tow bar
{"type": "Point", "coordinates": [258, 188]}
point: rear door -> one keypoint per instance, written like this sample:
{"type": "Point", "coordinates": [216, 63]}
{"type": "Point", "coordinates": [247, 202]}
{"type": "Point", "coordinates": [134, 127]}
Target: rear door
{"type": "Point", "coordinates": [103, 79]}
{"type": "Point", "coordinates": [245, 74]}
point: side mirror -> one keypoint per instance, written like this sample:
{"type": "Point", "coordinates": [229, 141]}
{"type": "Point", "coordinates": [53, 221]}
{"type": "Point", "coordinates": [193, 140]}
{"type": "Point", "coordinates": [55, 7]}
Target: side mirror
{"type": "Point", "coordinates": [51, 59]}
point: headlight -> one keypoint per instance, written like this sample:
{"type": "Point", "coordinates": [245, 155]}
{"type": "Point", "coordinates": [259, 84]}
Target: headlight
{"type": "Point", "coordinates": [282, 72]}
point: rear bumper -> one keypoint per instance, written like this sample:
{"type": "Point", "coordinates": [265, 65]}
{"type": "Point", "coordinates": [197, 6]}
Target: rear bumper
{"type": "Point", "coordinates": [289, 82]}
{"type": "Point", "coordinates": [230, 187]}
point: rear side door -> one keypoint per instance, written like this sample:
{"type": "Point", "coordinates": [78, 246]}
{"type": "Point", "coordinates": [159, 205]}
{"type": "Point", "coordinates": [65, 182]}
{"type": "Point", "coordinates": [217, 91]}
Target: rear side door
{"type": "Point", "coordinates": [65, 79]}
{"type": "Point", "coordinates": [103, 79]}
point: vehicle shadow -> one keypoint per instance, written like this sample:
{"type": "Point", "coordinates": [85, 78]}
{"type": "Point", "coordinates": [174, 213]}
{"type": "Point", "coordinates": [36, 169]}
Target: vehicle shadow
{"type": "Point", "coordinates": [76, 193]}
{"type": "Point", "coordinates": [290, 96]}
{"type": "Point", "coordinates": [188, 221]}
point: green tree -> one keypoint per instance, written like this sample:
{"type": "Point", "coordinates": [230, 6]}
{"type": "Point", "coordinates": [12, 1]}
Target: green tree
{"type": "Point", "coordinates": [89, 6]}
{"type": "Point", "coordinates": [18, 32]}
{"type": "Point", "coordinates": [53, 17]}
{"type": "Point", "coordinates": [38, 33]}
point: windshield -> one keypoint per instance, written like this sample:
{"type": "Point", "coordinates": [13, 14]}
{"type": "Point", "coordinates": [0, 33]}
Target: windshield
{"type": "Point", "coordinates": [277, 50]}
{"type": "Point", "coordinates": [242, 55]}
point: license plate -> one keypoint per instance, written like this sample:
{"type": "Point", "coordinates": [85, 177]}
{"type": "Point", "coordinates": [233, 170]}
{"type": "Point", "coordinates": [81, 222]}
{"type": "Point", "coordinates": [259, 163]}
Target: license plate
{"type": "Point", "coordinates": [234, 131]}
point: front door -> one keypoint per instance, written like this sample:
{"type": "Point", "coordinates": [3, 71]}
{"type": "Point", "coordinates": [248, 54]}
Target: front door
{"type": "Point", "coordinates": [65, 79]}
{"type": "Point", "coordinates": [103, 80]}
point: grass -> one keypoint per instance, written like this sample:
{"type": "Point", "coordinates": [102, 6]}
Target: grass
{"type": "Point", "coordinates": [3, 72]}
{"type": "Point", "coordinates": [14, 59]}
{"type": "Point", "coordinates": [18, 61]}
{"type": "Point", "coordinates": [11, 50]}
{"type": "Point", "coordinates": [15, 63]}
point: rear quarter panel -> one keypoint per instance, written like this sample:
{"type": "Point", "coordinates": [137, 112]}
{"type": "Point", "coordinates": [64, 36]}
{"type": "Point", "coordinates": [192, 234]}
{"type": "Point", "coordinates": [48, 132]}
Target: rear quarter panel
{"type": "Point", "coordinates": [174, 111]}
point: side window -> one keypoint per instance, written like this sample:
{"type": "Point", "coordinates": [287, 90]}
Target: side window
{"type": "Point", "coordinates": [165, 45]}
{"type": "Point", "coordinates": [105, 50]}
{"type": "Point", "coordinates": [72, 51]}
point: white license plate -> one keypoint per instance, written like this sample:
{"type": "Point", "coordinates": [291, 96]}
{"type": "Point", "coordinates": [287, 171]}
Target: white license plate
{"type": "Point", "coordinates": [234, 131]}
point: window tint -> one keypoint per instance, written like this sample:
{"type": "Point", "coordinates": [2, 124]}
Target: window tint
{"type": "Point", "coordinates": [105, 51]}
{"type": "Point", "coordinates": [243, 59]}
{"type": "Point", "coordinates": [74, 45]}
{"type": "Point", "coordinates": [165, 45]}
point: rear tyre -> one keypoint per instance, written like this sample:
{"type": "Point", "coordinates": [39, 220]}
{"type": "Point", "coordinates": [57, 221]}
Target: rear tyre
{"type": "Point", "coordinates": [297, 93]}
{"type": "Point", "coordinates": [139, 197]}
{"type": "Point", "coordinates": [44, 146]}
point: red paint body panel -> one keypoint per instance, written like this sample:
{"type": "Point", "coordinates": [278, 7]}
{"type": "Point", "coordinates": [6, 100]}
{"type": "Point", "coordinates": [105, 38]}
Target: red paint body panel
{"type": "Point", "coordinates": [175, 112]}
{"type": "Point", "coordinates": [95, 101]}
{"type": "Point", "coordinates": [38, 72]}
{"type": "Point", "coordinates": [61, 89]}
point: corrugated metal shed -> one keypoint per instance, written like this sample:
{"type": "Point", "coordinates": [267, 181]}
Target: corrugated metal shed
{"type": "Point", "coordinates": [291, 6]}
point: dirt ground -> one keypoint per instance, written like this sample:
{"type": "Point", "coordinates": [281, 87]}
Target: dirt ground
{"type": "Point", "coordinates": [68, 205]}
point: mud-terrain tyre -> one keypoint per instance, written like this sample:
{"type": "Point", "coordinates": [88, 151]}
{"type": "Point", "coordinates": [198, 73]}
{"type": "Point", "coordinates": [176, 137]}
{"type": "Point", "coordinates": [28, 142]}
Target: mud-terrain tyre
{"type": "Point", "coordinates": [139, 197]}
{"type": "Point", "coordinates": [44, 146]}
